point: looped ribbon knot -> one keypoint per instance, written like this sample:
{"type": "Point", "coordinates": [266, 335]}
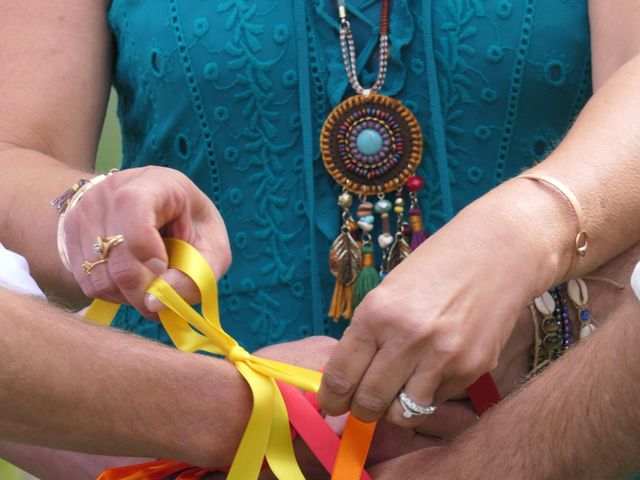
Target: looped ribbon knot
{"type": "Point", "coordinates": [238, 354]}
{"type": "Point", "coordinates": [267, 434]}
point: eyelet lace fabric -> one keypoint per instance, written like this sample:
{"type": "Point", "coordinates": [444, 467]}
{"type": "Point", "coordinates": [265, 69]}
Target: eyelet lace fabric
{"type": "Point", "coordinates": [234, 94]}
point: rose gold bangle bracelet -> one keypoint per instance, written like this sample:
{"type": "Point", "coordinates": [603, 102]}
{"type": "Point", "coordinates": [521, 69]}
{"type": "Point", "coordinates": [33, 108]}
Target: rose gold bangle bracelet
{"type": "Point", "coordinates": [581, 241]}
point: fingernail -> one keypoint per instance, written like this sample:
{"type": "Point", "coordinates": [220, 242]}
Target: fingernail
{"type": "Point", "coordinates": [156, 265]}
{"type": "Point", "coordinates": [152, 303]}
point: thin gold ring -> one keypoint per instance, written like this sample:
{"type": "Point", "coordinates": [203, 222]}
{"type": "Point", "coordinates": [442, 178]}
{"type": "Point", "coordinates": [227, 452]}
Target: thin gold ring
{"type": "Point", "coordinates": [87, 266]}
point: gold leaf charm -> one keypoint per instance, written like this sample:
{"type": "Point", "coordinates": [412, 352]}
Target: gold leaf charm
{"type": "Point", "coordinates": [345, 262]}
{"type": "Point", "coordinates": [345, 259]}
{"type": "Point", "coordinates": [399, 251]}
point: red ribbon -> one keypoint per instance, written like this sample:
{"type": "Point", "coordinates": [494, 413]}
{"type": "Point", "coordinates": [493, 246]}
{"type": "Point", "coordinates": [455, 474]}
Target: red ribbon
{"type": "Point", "coordinates": [314, 431]}
{"type": "Point", "coordinates": [483, 394]}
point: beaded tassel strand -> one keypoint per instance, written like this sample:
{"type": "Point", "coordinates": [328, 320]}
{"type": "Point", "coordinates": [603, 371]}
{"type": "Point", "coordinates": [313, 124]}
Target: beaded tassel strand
{"type": "Point", "coordinates": [419, 234]}
{"type": "Point", "coordinates": [385, 239]}
{"type": "Point", "coordinates": [400, 249]}
{"type": "Point", "coordinates": [562, 316]}
{"type": "Point", "coordinates": [579, 295]}
{"type": "Point", "coordinates": [368, 278]}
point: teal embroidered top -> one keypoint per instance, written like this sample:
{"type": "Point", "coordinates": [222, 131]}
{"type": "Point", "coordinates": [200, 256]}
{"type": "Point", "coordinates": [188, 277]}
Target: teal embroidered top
{"type": "Point", "coordinates": [234, 93]}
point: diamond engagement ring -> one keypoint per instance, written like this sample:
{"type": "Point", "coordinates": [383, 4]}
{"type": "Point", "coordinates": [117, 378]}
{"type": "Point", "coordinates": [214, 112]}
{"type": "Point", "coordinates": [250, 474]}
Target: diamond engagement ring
{"type": "Point", "coordinates": [411, 408]}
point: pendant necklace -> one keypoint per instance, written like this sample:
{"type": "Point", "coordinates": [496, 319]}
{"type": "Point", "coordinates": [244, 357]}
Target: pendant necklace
{"type": "Point", "coordinates": [371, 145]}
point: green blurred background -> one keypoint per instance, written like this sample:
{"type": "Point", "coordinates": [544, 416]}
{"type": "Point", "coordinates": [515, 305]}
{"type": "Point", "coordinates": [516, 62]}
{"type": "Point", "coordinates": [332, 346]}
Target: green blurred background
{"type": "Point", "coordinates": [109, 153]}
{"type": "Point", "coordinates": [110, 148]}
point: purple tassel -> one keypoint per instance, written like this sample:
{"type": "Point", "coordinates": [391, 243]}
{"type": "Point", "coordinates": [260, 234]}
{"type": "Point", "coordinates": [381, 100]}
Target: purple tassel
{"type": "Point", "coordinates": [419, 234]}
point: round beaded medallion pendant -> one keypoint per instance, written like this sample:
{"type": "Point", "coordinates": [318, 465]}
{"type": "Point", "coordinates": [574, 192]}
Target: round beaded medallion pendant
{"type": "Point", "coordinates": [371, 144]}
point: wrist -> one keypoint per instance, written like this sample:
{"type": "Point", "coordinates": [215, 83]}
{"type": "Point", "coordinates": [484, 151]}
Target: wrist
{"type": "Point", "coordinates": [214, 429]}
{"type": "Point", "coordinates": [538, 228]}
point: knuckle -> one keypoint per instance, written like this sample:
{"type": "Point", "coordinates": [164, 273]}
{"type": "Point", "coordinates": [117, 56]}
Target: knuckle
{"type": "Point", "coordinates": [370, 401]}
{"type": "Point", "coordinates": [481, 360]}
{"type": "Point", "coordinates": [449, 346]}
{"type": "Point", "coordinates": [176, 179]}
{"type": "Point", "coordinates": [319, 342]}
{"type": "Point", "coordinates": [336, 383]}
{"type": "Point", "coordinates": [413, 333]}
{"type": "Point", "coordinates": [470, 368]}
{"type": "Point", "coordinates": [152, 169]}
{"type": "Point", "coordinates": [124, 273]}
{"type": "Point", "coordinates": [379, 312]}
{"type": "Point", "coordinates": [324, 341]}
{"type": "Point", "coordinates": [376, 302]}
{"type": "Point", "coordinates": [126, 195]}
{"type": "Point", "coordinates": [103, 285]}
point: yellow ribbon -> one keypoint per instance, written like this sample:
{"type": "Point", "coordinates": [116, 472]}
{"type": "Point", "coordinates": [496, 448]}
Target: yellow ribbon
{"type": "Point", "coordinates": [267, 433]}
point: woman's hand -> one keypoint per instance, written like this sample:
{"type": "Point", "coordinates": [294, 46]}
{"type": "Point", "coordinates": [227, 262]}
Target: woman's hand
{"type": "Point", "coordinates": [441, 318]}
{"type": "Point", "coordinates": [390, 441]}
{"type": "Point", "coordinates": [143, 205]}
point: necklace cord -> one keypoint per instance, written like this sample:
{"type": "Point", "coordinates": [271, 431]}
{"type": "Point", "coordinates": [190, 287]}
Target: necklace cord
{"type": "Point", "coordinates": [348, 47]}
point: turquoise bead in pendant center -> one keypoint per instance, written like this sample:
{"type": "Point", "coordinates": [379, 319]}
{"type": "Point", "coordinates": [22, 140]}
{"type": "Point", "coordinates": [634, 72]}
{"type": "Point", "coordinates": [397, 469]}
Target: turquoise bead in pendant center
{"type": "Point", "coordinates": [369, 142]}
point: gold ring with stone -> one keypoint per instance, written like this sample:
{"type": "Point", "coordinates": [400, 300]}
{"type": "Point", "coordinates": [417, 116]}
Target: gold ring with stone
{"type": "Point", "coordinates": [102, 248]}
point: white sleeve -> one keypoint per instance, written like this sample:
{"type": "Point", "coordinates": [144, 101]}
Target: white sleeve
{"type": "Point", "coordinates": [14, 273]}
{"type": "Point", "coordinates": [635, 280]}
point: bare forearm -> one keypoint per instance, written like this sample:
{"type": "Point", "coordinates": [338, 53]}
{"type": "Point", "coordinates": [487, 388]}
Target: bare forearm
{"type": "Point", "coordinates": [70, 385]}
{"type": "Point", "coordinates": [578, 420]}
{"type": "Point", "coordinates": [48, 464]}
{"type": "Point", "coordinates": [598, 161]}
{"type": "Point", "coordinates": [28, 222]}
{"type": "Point", "coordinates": [56, 62]}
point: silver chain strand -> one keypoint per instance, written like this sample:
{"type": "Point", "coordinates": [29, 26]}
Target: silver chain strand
{"type": "Point", "coordinates": [350, 62]}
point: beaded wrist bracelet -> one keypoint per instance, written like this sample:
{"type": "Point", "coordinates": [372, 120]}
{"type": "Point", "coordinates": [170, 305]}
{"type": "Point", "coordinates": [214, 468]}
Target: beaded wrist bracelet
{"type": "Point", "coordinates": [558, 329]}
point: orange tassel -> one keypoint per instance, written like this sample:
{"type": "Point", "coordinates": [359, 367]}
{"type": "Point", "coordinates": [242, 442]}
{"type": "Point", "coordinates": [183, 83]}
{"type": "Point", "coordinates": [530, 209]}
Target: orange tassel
{"type": "Point", "coordinates": [341, 302]}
